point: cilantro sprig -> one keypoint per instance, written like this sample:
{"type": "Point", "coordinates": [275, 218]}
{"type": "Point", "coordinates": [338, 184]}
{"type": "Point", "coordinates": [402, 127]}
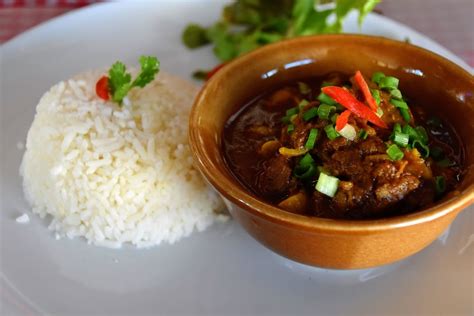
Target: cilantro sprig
{"type": "Point", "coordinates": [249, 24]}
{"type": "Point", "coordinates": [120, 81]}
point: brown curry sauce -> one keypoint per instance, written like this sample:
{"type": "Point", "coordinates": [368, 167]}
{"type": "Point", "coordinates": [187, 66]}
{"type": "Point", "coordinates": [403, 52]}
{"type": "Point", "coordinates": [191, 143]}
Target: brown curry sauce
{"type": "Point", "coordinates": [370, 185]}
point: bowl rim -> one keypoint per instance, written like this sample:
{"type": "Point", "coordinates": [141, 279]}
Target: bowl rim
{"type": "Point", "coordinates": [231, 190]}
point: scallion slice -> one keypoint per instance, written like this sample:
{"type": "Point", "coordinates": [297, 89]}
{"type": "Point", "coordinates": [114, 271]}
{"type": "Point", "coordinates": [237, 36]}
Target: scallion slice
{"type": "Point", "coordinates": [304, 88]}
{"type": "Point", "coordinates": [410, 131]}
{"type": "Point", "coordinates": [422, 148]}
{"type": "Point", "coordinates": [334, 118]}
{"type": "Point", "coordinates": [331, 132]}
{"type": "Point", "coordinates": [306, 160]}
{"type": "Point", "coordinates": [379, 112]}
{"type": "Point", "coordinates": [310, 114]}
{"type": "Point", "coordinates": [324, 110]}
{"type": "Point", "coordinates": [326, 84]}
{"type": "Point", "coordinates": [363, 134]}
{"type": "Point", "coordinates": [285, 120]}
{"type": "Point", "coordinates": [327, 184]}
{"type": "Point", "coordinates": [440, 184]}
{"type": "Point", "coordinates": [377, 77]}
{"type": "Point", "coordinates": [394, 153]}
{"type": "Point", "coordinates": [405, 114]}
{"type": "Point", "coordinates": [399, 103]}
{"type": "Point", "coordinates": [302, 104]}
{"type": "Point", "coordinates": [422, 135]}
{"type": "Point", "coordinates": [290, 128]}
{"type": "Point", "coordinates": [376, 95]}
{"type": "Point", "coordinates": [388, 83]}
{"type": "Point", "coordinates": [348, 132]}
{"type": "Point", "coordinates": [401, 139]}
{"type": "Point", "coordinates": [292, 111]}
{"type": "Point", "coordinates": [324, 98]}
{"type": "Point", "coordinates": [305, 172]}
{"type": "Point", "coordinates": [312, 136]}
{"type": "Point", "coordinates": [397, 94]}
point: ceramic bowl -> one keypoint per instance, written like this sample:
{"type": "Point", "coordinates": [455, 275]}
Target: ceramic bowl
{"type": "Point", "coordinates": [340, 244]}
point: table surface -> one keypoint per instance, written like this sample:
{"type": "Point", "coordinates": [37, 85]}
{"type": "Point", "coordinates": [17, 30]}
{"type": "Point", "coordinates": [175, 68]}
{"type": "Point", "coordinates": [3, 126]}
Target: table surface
{"type": "Point", "coordinates": [451, 23]}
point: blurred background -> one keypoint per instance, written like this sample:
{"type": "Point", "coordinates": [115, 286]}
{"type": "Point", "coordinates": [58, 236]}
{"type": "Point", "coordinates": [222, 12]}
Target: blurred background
{"type": "Point", "coordinates": [450, 23]}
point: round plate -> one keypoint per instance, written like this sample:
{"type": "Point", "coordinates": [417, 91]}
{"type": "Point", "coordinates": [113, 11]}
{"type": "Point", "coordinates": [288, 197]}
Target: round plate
{"type": "Point", "coordinates": [220, 271]}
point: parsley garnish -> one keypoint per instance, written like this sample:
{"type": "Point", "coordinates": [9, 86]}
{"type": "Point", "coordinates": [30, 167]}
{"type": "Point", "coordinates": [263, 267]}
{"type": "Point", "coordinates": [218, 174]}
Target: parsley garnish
{"type": "Point", "coordinates": [120, 81]}
{"type": "Point", "coordinates": [249, 24]}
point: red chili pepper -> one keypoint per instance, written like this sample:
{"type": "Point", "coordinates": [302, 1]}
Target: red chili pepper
{"type": "Point", "coordinates": [214, 70]}
{"type": "Point", "coordinates": [347, 100]}
{"type": "Point", "coordinates": [342, 120]}
{"type": "Point", "coordinates": [362, 84]}
{"type": "Point", "coordinates": [102, 88]}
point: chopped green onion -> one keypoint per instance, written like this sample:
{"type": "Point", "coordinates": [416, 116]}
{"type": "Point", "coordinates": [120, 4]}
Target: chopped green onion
{"type": "Point", "coordinates": [401, 139]}
{"type": "Point", "coordinates": [397, 94]}
{"type": "Point", "coordinates": [422, 148]}
{"type": "Point", "coordinates": [334, 118]}
{"type": "Point", "coordinates": [440, 184]}
{"type": "Point", "coordinates": [305, 172]}
{"type": "Point", "coordinates": [410, 131]}
{"type": "Point", "coordinates": [327, 185]}
{"type": "Point", "coordinates": [388, 83]}
{"type": "Point", "coordinates": [293, 117]}
{"type": "Point", "coordinates": [379, 112]}
{"type": "Point", "coordinates": [363, 134]}
{"type": "Point", "coordinates": [306, 168]}
{"type": "Point", "coordinates": [304, 88]}
{"type": "Point", "coordinates": [394, 153]}
{"type": "Point", "coordinates": [376, 95]}
{"type": "Point", "coordinates": [348, 132]}
{"type": "Point", "coordinates": [377, 76]}
{"type": "Point", "coordinates": [399, 104]}
{"type": "Point", "coordinates": [405, 114]}
{"type": "Point", "coordinates": [403, 107]}
{"type": "Point", "coordinates": [310, 114]}
{"type": "Point", "coordinates": [326, 84]}
{"type": "Point", "coordinates": [436, 153]}
{"type": "Point", "coordinates": [312, 136]}
{"type": "Point", "coordinates": [306, 160]}
{"type": "Point", "coordinates": [285, 120]}
{"type": "Point", "coordinates": [422, 135]}
{"type": "Point", "coordinates": [324, 98]}
{"type": "Point", "coordinates": [290, 128]}
{"type": "Point", "coordinates": [397, 128]}
{"type": "Point", "coordinates": [292, 111]}
{"type": "Point", "coordinates": [331, 132]}
{"type": "Point", "coordinates": [302, 104]}
{"type": "Point", "coordinates": [446, 163]}
{"type": "Point", "coordinates": [324, 110]}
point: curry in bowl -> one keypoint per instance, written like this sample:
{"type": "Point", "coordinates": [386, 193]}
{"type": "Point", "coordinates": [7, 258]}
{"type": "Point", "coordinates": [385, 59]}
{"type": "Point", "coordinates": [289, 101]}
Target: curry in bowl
{"type": "Point", "coordinates": [342, 146]}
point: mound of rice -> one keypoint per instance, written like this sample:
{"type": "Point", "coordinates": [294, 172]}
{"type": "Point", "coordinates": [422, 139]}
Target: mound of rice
{"type": "Point", "coordinates": [117, 174]}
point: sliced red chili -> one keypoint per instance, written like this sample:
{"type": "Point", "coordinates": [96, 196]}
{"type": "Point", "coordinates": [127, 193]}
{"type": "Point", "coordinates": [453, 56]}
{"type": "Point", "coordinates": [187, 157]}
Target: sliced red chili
{"type": "Point", "coordinates": [347, 100]}
{"type": "Point", "coordinates": [364, 87]}
{"type": "Point", "coordinates": [342, 120]}
{"type": "Point", "coordinates": [102, 88]}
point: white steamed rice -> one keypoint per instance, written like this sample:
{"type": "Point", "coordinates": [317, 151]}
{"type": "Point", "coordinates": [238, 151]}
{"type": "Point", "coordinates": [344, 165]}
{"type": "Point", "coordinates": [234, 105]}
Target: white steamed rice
{"type": "Point", "coordinates": [117, 174]}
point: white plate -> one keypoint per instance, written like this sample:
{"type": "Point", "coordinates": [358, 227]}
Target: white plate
{"type": "Point", "coordinates": [220, 271]}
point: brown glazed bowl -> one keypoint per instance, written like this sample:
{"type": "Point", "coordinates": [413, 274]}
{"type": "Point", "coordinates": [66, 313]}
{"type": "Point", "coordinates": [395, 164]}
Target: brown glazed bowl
{"type": "Point", "coordinates": [340, 244]}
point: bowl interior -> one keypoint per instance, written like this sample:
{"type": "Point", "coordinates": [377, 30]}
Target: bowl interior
{"type": "Point", "coordinates": [426, 78]}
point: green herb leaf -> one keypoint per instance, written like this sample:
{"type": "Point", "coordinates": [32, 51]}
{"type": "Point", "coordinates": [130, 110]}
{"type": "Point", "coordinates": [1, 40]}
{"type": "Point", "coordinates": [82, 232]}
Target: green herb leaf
{"type": "Point", "coordinates": [149, 68]}
{"type": "Point", "coordinates": [194, 36]}
{"type": "Point", "coordinates": [120, 80]}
